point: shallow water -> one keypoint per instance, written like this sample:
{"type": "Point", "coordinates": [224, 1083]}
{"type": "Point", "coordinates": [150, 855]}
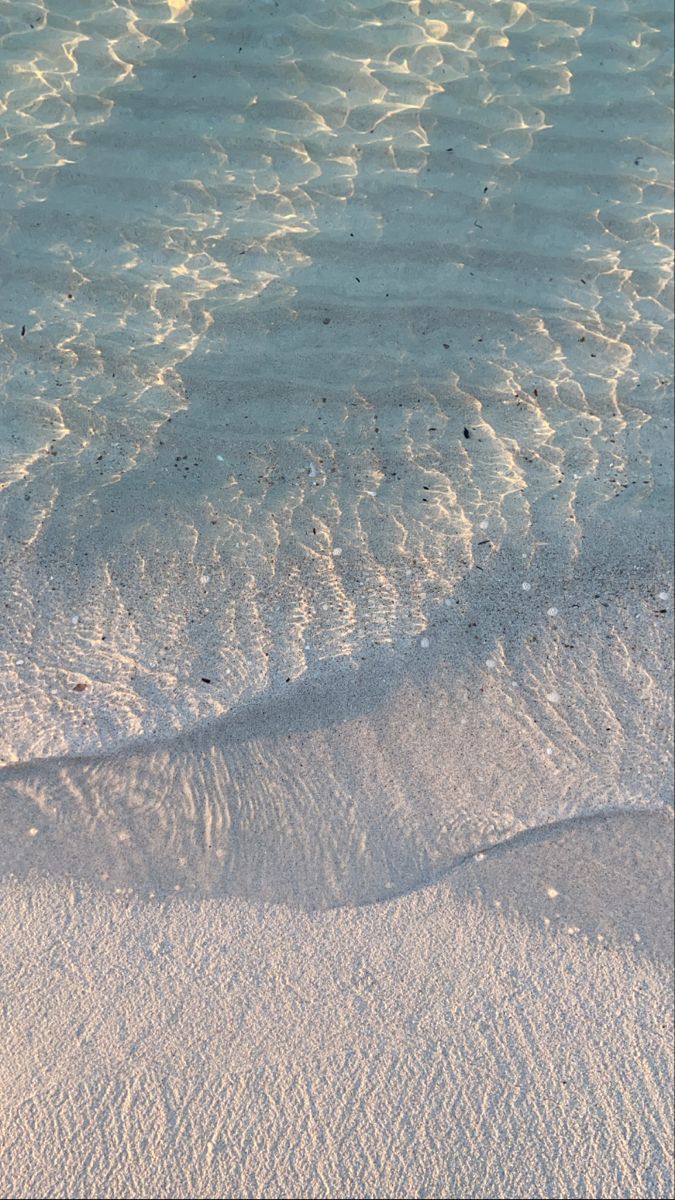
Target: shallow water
{"type": "Point", "coordinates": [334, 330]}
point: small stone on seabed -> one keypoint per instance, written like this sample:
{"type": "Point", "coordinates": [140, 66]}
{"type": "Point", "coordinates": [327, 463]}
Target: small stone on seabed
{"type": "Point", "coordinates": [32, 832]}
{"type": "Point", "coordinates": [74, 620]}
{"type": "Point", "coordinates": [663, 595]}
{"type": "Point", "coordinates": [483, 525]}
{"type": "Point", "coordinates": [552, 697]}
{"type": "Point", "coordinates": [551, 612]}
{"type": "Point", "coordinates": [527, 587]}
{"type": "Point", "coordinates": [424, 643]}
{"type": "Point", "coordinates": [552, 893]}
{"type": "Point", "coordinates": [337, 552]}
{"type": "Point", "coordinates": [490, 664]}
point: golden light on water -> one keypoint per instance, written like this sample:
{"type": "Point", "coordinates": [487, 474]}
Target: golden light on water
{"type": "Point", "coordinates": [390, 226]}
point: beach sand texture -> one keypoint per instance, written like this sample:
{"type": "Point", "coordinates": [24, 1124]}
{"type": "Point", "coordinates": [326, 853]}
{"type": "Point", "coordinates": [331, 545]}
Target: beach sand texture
{"type": "Point", "coordinates": [336, 425]}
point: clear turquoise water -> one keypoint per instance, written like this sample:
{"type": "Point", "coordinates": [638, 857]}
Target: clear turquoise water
{"type": "Point", "coordinates": [270, 264]}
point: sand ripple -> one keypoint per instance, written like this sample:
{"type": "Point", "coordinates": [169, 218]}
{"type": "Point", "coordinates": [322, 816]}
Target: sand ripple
{"type": "Point", "coordinates": [257, 321]}
{"type": "Point", "coordinates": [319, 315]}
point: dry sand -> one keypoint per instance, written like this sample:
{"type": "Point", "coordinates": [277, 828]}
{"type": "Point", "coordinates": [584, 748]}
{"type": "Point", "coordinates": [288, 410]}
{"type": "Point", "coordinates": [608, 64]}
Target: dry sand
{"type": "Point", "coordinates": [335, 671]}
{"type": "Point", "coordinates": [429, 1046]}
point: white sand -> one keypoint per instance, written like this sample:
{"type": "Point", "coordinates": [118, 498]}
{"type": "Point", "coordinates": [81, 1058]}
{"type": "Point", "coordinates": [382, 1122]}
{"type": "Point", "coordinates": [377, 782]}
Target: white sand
{"type": "Point", "coordinates": [346, 870]}
{"type": "Point", "coordinates": [429, 1046]}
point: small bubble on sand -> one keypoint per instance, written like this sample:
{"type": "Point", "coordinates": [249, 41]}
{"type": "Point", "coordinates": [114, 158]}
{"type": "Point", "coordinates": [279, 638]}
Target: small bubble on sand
{"type": "Point", "coordinates": [483, 525]}
{"type": "Point", "coordinates": [337, 552]}
{"type": "Point", "coordinates": [552, 612]}
{"type": "Point", "coordinates": [424, 643]}
{"type": "Point", "coordinates": [636, 937]}
{"type": "Point", "coordinates": [19, 662]}
{"type": "Point", "coordinates": [74, 620]}
{"type": "Point", "coordinates": [663, 595]}
{"type": "Point", "coordinates": [447, 603]}
{"type": "Point", "coordinates": [527, 587]}
{"type": "Point", "coordinates": [479, 857]}
{"type": "Point", "coordinates": [408, 571]}
{"type": "Point", "coordinates": [204, 579]}
{"type": "Point", "coordinates": [552, 893]}
{"type": "Point", "coordinates": [490, 664]}
{"type": "Point", "coordinates": [324, 607]}
{"type": "Point", "coordinates": [552, 697]}
{"type": "Point", "coordinates": [220, 458]}
{"type": "Point", "coordinates": [549, 750]}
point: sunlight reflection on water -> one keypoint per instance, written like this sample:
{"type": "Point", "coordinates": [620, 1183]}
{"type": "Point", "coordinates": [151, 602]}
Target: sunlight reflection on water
{"type": "Point", "coordinates": [273, 260]}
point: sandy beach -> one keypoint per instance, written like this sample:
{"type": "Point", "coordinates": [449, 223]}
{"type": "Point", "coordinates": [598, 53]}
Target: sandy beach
{"type": "Point", "coordinates": [336, 449]}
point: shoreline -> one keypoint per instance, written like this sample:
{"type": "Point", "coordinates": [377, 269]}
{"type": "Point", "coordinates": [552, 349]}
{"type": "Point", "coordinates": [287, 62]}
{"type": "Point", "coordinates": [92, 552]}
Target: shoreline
{"type": "Point", "coordinates": [336, 508]}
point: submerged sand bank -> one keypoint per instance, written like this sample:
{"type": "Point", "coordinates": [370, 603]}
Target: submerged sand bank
{"type": "Point", "coordinates": [268, 267]}
{"type": "Point", "coordinates": [369, 779]}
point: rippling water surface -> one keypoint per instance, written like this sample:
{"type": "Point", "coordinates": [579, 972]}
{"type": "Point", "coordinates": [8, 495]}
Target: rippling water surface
{"type": "Point", "coordinates": [336, 335]}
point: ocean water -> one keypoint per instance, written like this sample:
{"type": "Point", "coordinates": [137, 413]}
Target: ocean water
{"type": "Point", "coordinates": [335, 433]}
